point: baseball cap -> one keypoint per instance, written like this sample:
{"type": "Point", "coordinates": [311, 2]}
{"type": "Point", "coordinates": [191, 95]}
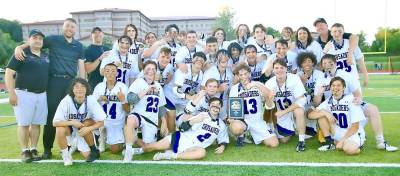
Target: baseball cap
{"type": "Point", "coordinates": [36, 32]}
{"type": "Point", "coordinates": [96, 29]}
{"type": "Point", "coordinates": [320, 20]}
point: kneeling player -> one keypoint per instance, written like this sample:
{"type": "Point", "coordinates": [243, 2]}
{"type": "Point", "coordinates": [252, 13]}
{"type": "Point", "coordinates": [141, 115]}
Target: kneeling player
{"type": "Point", "coordinates": [147, 97]}
{"type": "Point", "coordinates": [197, 133]}
{"type": "Point", "coordinates": [112, 96]}
{"type": "Point", "coordinates": [289, 93]}
{"type": "Point", "coordinates": [83, 114]}
{"type": "Point", "coordinates": [253, 93]}
{"type": "Point", "coordinates": [341, 118]}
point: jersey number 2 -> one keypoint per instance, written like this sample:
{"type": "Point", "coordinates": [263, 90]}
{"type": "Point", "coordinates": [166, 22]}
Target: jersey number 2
{"type": "Point", "coordinates": [201, 138]}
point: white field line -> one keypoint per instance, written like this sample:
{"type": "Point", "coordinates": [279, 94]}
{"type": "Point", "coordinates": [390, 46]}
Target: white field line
{"type": "Point", "coordinates": [226, 163]}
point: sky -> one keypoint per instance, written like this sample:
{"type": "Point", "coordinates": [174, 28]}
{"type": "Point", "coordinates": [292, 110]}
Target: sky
{"type": "Point", "coordinates": [355, 15]}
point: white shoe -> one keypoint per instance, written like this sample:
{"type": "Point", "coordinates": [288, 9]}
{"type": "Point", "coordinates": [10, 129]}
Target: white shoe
{"type": "Point", "coordinates": [137, 151]}
{"type": "Point", "coordinates": [167, 155]}
{"type": "Point", "coordinates": [102, 144]}
{"type": "Point", "coordinates": [128, 156]}
{"type": "Point", "coordinates": [386, 146]}
{"type": "Point", "coordinates": [327, 147]}
{"type": "Point", "coordinates": [67, 158]}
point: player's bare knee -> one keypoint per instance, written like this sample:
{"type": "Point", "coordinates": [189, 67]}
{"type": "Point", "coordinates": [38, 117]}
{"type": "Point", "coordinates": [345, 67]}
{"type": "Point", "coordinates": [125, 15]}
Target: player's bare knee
{"type": "Point", "coordinates": [89, 122]}
{"type": "Point", "coordinates": [351, 150]}
{"type": "Point", "coordinates": [201, 153]}
{"type": "Point", "coordinates": [284, 140]}
{"type": "Point", "coordinates": [272, 142]}
{"type": "Point", "coordinates": [237, 128]}
{"type": "Point", "coordinates": [131, 121]}
{"type": "Point", "coordinates": [115, 149]}
{"type": "Point", "coordinates": [61, 131]}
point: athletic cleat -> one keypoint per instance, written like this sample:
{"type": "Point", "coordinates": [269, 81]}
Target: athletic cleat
{"type": "Point", "coordinates": [127, 155]}
{"type": "Point", "coordinates": [67, 158]}
{"type": "Point", "coordinates": [301, 146]}
{"type": "Point", "coordinates": [26, 156]}
{"type": "Point", "coordinates": [327, 147]}
{"type": "Point", "coordinates": [137, 151]}
{"type": "Point", "coordinates": [167, 155]}
{"type": "Point", "coordinates": [240, 141]}
{"type": "Point", "coordinates": [35, 155]}
{"type": "Point", "coordinates": [385, 146]}
{"type": "Point", "coordinates": [94, 155]}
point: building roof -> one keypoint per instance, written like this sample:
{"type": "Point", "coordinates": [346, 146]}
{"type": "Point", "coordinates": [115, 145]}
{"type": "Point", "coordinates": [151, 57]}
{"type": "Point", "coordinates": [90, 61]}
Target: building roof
{"type": "Point", "coordinates": [181, 18]}
{"type": "Point", "coordinates": [106, 10]}
{"type": "Point", "coordinates": [46, 22]}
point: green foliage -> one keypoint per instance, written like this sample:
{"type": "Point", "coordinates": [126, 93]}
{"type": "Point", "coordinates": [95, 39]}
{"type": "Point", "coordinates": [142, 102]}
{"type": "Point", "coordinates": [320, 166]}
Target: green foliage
{"type": "Point", "coordinates": [7, 46]}
{"type": "Point", "coordinates": [273, 32]}
{"type": "Point", "coordinates": [392, 44]}
{"type": "Point", "coordinates": [12, 27]}
{"type": "Point", "coordinates": [225, 20]}
{"type": "Point", "coordinates": [362, 42]}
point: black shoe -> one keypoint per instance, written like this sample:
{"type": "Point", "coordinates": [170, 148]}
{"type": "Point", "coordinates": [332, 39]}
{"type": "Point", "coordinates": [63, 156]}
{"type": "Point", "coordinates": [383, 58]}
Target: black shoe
{"type": "Point", "coordinates": [47, 154]}
{"type": "Point", "coordinates": [35, 155]}
{"type": "Point", "coordinates": [94, 155]}
{"type": "Point", "coordinates": [26, 156]}
{"type": "Point", "coordinates": [239, 141]}
{"type": "Point", "coordinates": [301, 146]}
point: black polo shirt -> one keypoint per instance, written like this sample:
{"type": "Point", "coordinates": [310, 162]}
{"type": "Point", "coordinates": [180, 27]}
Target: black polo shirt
{"type": "Point", "coordinates": [63, 55]}
{"type": "Point", "coordinates": [32, 73]}
{"type": "Point", "coordinates": [345, 36]}
{"type": "Point", "coordinates": [92, 52]}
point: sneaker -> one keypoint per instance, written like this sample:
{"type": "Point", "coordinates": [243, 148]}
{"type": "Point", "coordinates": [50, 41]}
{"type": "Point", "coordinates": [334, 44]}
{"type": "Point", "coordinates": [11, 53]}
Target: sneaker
{"type": "Point", "coordinates": [128, 155]}
{"type": "Point", "coordinates": [26, 156]}
{"type": "Point", "coordinates": [240, 141]}
{"type": "Point", "coordinates": [327, 147]}
{"type": "Point", "coordinates": [94, 155]}
{"type": "Point", "coordinates": [385, 146]}
{"type": "Point", "coordinates": [67, 158]}
{"type": "Point", "coordinates": [35, 155]}
{"type": "Point", "coordinates": [301, 146]}
{"type": "Point", "coordinates": [47, 154]}
{"type": "Point", "coordinates": [137, 151]}
{"type": "Point", "coordinates": [167, 155]}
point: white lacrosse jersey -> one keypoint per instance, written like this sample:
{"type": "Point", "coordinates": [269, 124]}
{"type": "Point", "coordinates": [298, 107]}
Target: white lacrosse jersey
{"type": "Point", "coordinates": [314, 48]}
{"type": "Point", "coordinates": [287, 94]}
{"type": "Point", "coordinates": [185, 56]}
{"type": "Point", "coordinates": [253, 101]}
{"type": "Point", "coordinates": [310, 84]}
{"type": "Point", "coordinates": [291, 61]}
{"type": "Point", "coordinates": [149, 105]}
{"type": "Point", "coordinates": [352, 84]}
{"type": "Point", "coordinates": [129, 68]}
{"type": "Point", "coordinates": [69, 110]}
{"type": "Point", "coordinates": [341, 54]}
{"type": "Point", "coordinates": [112, 107]}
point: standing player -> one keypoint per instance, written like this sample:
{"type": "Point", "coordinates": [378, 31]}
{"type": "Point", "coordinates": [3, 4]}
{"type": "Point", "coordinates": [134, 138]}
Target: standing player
{"type": "Point", "coordinates": [185, 85]}
{"type": "Point", "coordinates": [340, 48]}
{"type": "Point", "coordinates": [256, 65]}
{"type": "Point", "coordinates": [135, 48]}
{"type": "Point", "coordinates": [222, 74]}
{"type": "Point", "coordinates": [309, 76]}
{"type": "Point", "coordinates": [195, 135]}
{"type": "Point", "coordinates": [220, 34]}
{"type": "Point", "coordinates": [339, 110]}
{"type": "Point", "coordinates": [81, 112]}
{"type": "Point", "coordinates": [288, 92]}
{"type": "Point", "coordinates": [304, 43]}
{"type": "Point", "coordinates": [185, 54]}
{"type": "Point", "coordinates": [147, 97]}
{"type": "Point", "coordinates": [235, 55]}
{"type": "Point", "coordinates": [127, 63]}
{"type": "Point", "coordinates": [352, 87]}
{"type": "Point", "coordinates": [112, 96]}
{"type": "Point", "coordinates": [264, 49]}
{"type": "Point", "coordinates": [253, 93]}
{"type": "Point", "coordinates": [243, 35]}
{"type": "Point", "coordinates": [283, 53]}
{"type": "Point", "coordinates": [211, 52]}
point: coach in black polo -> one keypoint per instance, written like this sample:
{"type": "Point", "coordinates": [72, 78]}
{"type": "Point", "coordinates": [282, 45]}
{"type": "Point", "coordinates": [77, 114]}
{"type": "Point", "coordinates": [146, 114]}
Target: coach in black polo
{"type": "Point", "coordinates": [66, 57]}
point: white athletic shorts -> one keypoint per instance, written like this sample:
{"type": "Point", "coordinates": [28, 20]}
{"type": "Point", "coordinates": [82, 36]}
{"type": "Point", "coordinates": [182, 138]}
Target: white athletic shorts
{"type": "Point", "coordinates": [358, 137]}
{"type": "Point", "coordinates": [115, 134]}
{"type": "Point", "coordinates": [259, 130]}
{"type": "Point", "coordinates": [31, 108]}
{"type": "Point", "coordinates": [149, 131]}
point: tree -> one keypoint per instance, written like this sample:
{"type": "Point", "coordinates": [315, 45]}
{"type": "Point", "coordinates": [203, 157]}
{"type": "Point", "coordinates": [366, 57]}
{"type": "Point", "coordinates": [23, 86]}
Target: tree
{"type": "Point", "coordinates": [7, 46]}
{"type": "Point", "coordinates": [14, 28]}
{"type": "Point", "coordinates": [392, 42]}
{"type": "Point", "coordinates": [225, 21]}
{"type": "Point", "coordinates": [362, 42]}
{"type": "Point", "coordinates": [273, 32]}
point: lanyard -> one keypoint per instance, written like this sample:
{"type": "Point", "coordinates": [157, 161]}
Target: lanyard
{"type": "Point", "coordinates": [77, 107]}
{"type": "Point", "coordinates": [279, 87]}
{"type": "Point", "coordinates": [300, 45]}
{"type": "Point", "coordinates": [337, 45]}
{"type": "Point", "coordinates": [120, 59]}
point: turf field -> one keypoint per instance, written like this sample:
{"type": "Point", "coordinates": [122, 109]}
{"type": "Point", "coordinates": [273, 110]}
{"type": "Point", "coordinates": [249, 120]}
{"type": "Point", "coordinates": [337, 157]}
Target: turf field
{"type": "Point", "coordinates": [383, 90]}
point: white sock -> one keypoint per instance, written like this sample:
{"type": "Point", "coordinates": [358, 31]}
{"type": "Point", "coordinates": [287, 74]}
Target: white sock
{"type": "Point", "coordinates": [33, 148]}
{"type": "Point", "coordinates": [64, 151]}
{"type": "Point", "coordinates": [379, 139]}
{"type": "Point", "coordinates": [302, 137]}
{"type": "Point", "coordinates": [128, 146]}
{"type": "Point", "coordinates": [25, 149]}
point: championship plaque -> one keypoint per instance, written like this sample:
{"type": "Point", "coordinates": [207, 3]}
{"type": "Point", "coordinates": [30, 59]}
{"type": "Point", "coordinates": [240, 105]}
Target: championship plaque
{"type": "Point", "coordinates": [236, 107]}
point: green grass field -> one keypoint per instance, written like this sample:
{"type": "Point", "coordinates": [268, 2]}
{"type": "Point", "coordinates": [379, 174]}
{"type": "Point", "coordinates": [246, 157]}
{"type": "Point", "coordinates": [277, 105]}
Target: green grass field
{"type": "Point", "coordinates": [383, 91]}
